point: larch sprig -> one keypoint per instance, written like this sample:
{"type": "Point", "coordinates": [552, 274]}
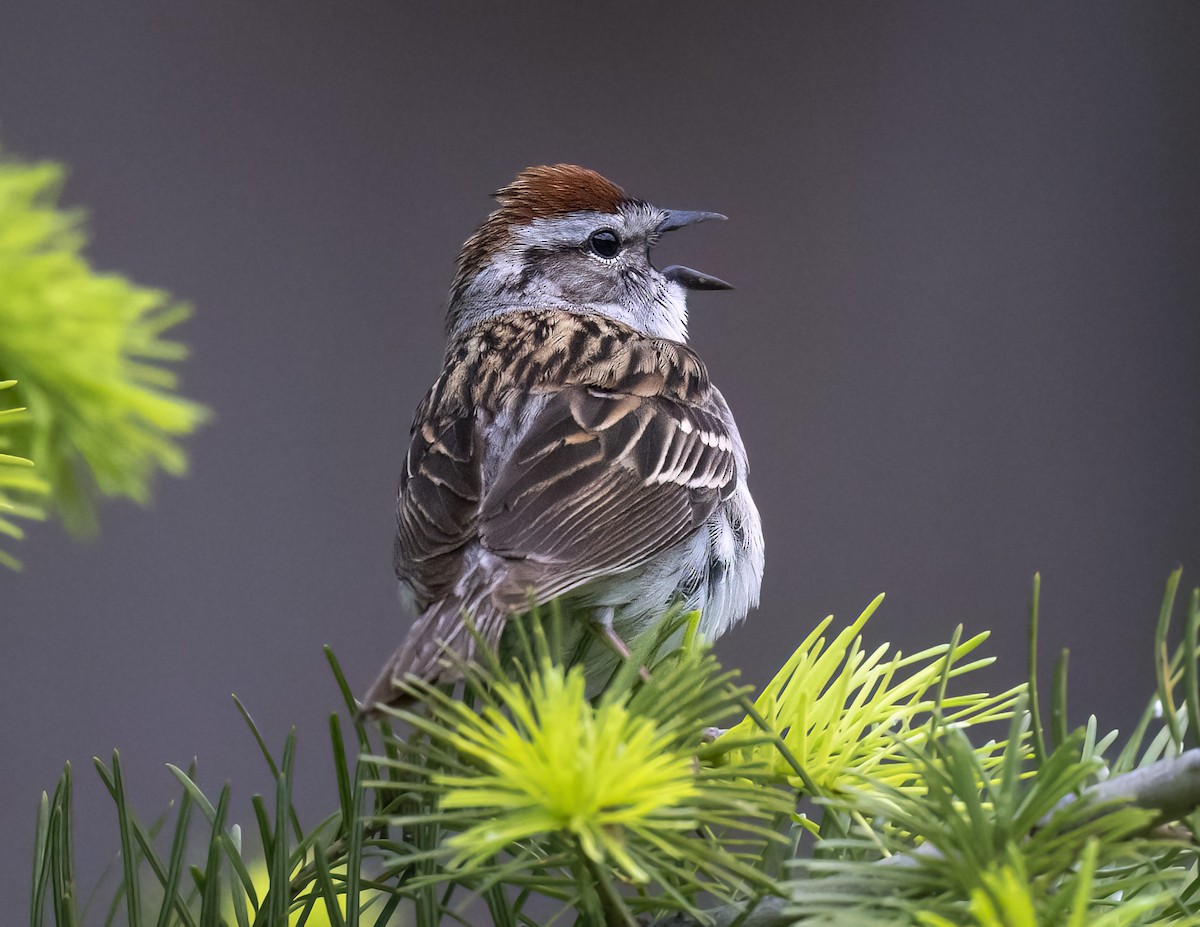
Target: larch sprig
{"type": "Point", "coordinates": [843, 713]}
{"type": "Point", "coordinates": [88, 354]}
{"type": "Point", "coordinates": [552, 762]}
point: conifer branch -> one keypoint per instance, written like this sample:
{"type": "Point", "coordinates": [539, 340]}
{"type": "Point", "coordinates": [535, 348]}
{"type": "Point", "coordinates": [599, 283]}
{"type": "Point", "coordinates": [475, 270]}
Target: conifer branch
{"type": "Point", "coordinates": [1170, 786]}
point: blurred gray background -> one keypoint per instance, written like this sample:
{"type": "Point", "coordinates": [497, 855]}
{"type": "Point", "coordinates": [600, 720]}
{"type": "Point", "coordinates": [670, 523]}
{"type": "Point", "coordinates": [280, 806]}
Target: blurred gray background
{"type": "Point", "coordinates": [963, 347]}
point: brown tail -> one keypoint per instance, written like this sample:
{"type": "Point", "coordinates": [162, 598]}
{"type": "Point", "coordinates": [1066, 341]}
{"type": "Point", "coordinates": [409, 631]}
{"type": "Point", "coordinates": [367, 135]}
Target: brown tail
{"type": "Point", "coordinates": [442, 630]}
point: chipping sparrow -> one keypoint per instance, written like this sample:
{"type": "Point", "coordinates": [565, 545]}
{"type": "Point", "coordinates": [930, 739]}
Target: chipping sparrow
{"type": "Point", "coordinates": [572, 446]}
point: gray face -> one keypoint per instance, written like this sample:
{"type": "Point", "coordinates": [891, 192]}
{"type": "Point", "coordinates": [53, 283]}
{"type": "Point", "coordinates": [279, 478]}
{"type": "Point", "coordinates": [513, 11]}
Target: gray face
{"type": "Point", "coordinates": [585, 262]}
{"type": "Point", "coordinates": [595, 259]}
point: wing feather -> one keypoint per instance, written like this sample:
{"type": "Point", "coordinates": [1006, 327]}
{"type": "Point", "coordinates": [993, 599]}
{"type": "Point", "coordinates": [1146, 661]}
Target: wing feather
{"type": "Point", "coordinates": [601, 483]}
{"type": "Point", "coordinates": [438, 505]}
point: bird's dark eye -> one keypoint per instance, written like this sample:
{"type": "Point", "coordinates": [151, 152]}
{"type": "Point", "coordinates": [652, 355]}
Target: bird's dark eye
{"type": "Point", "coordinates": [605, 243]}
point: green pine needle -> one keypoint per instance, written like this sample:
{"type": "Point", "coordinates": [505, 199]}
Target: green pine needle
{"type": "Point", "coordinates": [22, 492]}
{"type": "Point", "coordinates": [845, 714]}
{"type": "Point", "coordinates": [523, 799]}
{"type": "Point", "coordinates": [541, 773]}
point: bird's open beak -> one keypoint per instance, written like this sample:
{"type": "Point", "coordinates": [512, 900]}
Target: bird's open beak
{"type": "Point", "coordinates": [678, 218]}
{"type": "Point", "coordinates": [685, 276]}
{"type": "Point", "coordinates": [693, 279]}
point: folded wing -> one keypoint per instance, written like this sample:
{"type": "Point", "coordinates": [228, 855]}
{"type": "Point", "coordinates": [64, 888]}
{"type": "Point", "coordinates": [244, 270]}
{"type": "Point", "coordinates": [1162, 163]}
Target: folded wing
{"type": "Point", "coordinates": [601, 483]}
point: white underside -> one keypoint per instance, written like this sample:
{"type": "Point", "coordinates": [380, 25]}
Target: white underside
{"type": "Point", "coordinates": [710, 572]}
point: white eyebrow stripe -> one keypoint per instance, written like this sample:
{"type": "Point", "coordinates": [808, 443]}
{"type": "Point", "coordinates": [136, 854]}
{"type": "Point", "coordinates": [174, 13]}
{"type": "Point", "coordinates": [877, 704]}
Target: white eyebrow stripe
{"type": "Point", "coordinates": [571, 229]}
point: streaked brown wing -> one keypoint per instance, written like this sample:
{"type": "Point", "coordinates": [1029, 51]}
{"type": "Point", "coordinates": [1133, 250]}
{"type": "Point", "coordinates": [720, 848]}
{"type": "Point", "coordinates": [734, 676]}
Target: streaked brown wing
{"type": "Point", "coordinates": [438, 504]}
{"type": "Point", "coordinates": [601, 483]}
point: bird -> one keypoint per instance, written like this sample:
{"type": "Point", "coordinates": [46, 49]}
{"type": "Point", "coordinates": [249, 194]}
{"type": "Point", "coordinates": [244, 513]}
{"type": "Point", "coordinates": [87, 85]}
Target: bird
{"type": "Point", "coordinates": [573, 448]}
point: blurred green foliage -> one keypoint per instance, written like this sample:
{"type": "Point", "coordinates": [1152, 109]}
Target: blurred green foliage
{"type": "Point", "coordinates": [84, 354]}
